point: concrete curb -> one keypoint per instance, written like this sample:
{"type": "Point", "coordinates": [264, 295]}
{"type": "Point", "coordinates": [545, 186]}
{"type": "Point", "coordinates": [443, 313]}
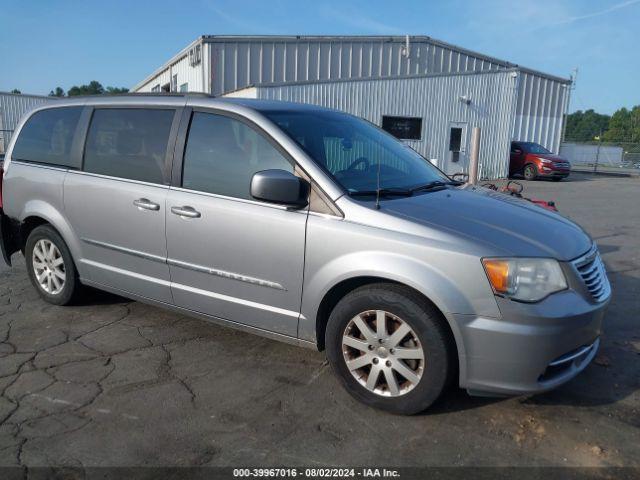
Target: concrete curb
{"type": "Point", "coordinates": [607, 173]}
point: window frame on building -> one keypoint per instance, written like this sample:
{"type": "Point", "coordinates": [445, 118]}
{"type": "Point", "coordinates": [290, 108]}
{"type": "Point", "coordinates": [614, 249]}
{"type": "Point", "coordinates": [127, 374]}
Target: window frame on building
{"type": "Point", "coordinates": [399, 118]}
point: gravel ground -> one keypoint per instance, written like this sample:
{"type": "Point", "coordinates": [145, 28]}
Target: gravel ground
{"type": "Point", "coordinates": [117, 383]}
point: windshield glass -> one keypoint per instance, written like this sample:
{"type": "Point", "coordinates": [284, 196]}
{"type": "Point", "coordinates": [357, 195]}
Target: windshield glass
{"type": "Point", "coordinates": [352, 150]}
{"type": "Point", "coordinates": [531, 147]}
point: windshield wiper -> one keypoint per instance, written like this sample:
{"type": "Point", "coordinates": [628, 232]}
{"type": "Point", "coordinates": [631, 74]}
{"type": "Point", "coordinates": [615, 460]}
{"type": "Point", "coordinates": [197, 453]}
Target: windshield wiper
{"type": "Point", "coordinates": [404, 192]}
{"type": "Point", "coordinates": [435, 185]}
{"type": "Point", "coordinates": [383, 192]}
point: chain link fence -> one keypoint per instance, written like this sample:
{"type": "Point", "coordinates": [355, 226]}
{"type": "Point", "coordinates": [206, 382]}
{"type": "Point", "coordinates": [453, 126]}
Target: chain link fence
{"type": "Point", "coordinates": [613, 157]}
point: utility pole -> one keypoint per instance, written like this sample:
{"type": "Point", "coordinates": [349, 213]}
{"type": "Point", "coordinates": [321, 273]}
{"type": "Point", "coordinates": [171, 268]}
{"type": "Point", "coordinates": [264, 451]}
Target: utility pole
{"type": "Point", "coordinates": [595, 166]}
{"type": "Point", "coordinates": [574, 78]}
{"type": "Point", "coordinates": [474, 156]}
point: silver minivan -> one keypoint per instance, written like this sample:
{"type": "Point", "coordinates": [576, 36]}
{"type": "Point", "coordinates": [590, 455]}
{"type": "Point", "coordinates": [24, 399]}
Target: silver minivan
{"type": "Point", "coordinates": [306, 225]}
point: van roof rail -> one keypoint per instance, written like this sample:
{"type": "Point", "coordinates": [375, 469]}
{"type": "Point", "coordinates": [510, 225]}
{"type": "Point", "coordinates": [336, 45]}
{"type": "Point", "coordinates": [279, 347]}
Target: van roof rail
{"type": "Point", "coordinates": [146, 94]}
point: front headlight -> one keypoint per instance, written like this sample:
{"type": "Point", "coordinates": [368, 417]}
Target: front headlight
{"type": "Point", "coordinates": [545, 160]}
{"type": "Point", "coordinates": [524, 279]}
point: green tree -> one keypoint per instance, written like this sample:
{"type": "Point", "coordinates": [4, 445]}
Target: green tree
{"type": "Point", "coordinates": [15, 90]}
{"type": "Point", "coordinates": [58, 92]}
{"type": "Point", "coordinates": [116, 90]}
{"type": "Point", "coordinates": [624, 126]}
{"type": "Point", "coordinates": [586, 126]}
{"type": "Point", "coordinates": [94, 88]}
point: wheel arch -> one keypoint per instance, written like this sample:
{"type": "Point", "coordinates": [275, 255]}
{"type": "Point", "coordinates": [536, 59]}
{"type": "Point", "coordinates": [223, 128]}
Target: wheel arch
{"type": "Point", "coordinates": [345, 286]}
{"type": "Point", "coordinates": [38, 212]}
{"type": "Point", "coordinates": [342, 288]}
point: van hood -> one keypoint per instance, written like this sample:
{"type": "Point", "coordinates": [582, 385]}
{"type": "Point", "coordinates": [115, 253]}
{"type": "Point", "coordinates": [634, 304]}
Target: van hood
{"type": "Point", "coordinates": [509, 224]}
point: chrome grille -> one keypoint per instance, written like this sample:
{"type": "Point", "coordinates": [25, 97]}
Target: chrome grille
{"type": "Point", "coordinates": [591, 269]}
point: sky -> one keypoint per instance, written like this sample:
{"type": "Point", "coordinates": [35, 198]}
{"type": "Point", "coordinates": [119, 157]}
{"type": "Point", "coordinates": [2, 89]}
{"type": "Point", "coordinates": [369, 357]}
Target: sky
{"type": "Point", "coordinates": [49, 43]}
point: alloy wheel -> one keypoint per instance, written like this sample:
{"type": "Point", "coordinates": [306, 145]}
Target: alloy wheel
{"type": "Point", "coordinates": [529, 172]}
{"type": "Point", "coordinates": [383, 353]}
{"type": "Point", "coordinates": [48, 266]}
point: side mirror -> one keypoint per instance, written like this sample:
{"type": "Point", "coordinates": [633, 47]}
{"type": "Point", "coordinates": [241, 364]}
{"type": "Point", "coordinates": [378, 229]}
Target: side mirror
{"type": "Point", "coordinates": [517, 151]}
{"type": "Point", "coordinates": [280, 186]}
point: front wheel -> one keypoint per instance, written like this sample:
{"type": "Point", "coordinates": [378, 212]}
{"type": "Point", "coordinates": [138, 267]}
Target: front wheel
{"type": "Point", "coordinates": [530, 172]}
{"type": "Point", "coordinates": [50, 266]}
{"type": "Point", "coordinates": [390, 348]}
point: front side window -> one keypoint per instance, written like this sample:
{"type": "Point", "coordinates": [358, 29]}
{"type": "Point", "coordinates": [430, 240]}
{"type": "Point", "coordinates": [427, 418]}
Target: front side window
{"type": "Point", "coordinates": [47, 136]}
{"type": "Point", "coordinates": [222, 154]}
{"type": "Point", "coordinates": [128, 143]}
{"type": "Point", "coordinates": [355, 151]}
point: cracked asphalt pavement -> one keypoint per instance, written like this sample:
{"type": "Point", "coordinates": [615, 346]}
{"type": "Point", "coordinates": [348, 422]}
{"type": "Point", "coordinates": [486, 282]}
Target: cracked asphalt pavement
{"type": "Point", "coordinates": [111, 382]}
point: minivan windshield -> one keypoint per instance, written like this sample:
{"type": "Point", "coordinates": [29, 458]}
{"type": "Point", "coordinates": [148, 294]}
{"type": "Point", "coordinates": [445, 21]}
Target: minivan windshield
{"type": "Point", "coordinates": [353, 151]}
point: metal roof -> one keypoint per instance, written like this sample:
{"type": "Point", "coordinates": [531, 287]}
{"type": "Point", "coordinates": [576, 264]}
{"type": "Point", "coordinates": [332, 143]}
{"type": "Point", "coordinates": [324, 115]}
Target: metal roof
{"type": "Point", "coordinates": [334, 38]}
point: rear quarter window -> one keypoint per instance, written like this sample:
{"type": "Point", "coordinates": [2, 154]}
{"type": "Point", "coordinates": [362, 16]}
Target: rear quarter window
{"type": "Point", "coordinates": [47, 137]}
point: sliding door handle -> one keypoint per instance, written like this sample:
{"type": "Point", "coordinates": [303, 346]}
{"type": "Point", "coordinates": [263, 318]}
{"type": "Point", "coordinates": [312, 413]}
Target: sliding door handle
{"type": "Point", "coordinates": [187, 212]}
{"type": "Point", "coordinates": [145, 204]}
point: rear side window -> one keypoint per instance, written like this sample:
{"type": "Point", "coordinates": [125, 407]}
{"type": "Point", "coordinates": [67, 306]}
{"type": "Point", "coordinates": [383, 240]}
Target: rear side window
{"type": "Point", "coordinates": [47, 136]}
{"type": "Point", "coordinates": [129, 143]}
{"type": "Point", "coordinates": [222, 154]}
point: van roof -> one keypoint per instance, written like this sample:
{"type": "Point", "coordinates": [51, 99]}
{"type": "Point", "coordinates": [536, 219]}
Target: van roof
{"type": "Point", "coordinates": [185, 99]}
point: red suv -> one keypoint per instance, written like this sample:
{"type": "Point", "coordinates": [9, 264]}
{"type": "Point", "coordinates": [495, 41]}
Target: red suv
{"type": "Point", "coordinates": [533, 160]}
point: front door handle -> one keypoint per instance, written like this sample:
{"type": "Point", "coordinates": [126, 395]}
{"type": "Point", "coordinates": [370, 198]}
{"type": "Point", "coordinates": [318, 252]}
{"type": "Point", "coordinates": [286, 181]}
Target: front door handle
{"type": "Point", "coordinates": [187, 212]}
{"type": "Point", "coordinates": [146, 204]}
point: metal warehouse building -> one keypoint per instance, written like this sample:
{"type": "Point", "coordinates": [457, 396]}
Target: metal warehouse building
{"type": "Point", "coordinates": [431, 92]}
{"type": "Point", "coordinates": [12, 107]}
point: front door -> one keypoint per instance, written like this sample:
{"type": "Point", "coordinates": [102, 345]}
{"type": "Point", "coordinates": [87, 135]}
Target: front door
{"type": "Point", "coordinates": [457, 151]}
{"type": "Point", "coordinates": [231, 256]}
{"type": "Point", "coordinates": [116, 204]}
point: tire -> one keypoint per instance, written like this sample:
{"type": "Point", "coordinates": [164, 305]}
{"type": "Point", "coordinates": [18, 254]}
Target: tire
{"type": "Point", "coordinates": [428, 334]}
{"type": "Point", "coordinates": [530, 172]}
{"type": "Point", "coordinates": [556, 179]}
{"type": "Point", "coordinates": [59, 290]}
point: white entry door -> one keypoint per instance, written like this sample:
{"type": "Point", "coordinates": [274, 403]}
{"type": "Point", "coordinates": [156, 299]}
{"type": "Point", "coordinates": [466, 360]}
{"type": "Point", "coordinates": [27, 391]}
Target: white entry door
{"type": "Point", "coordinates": [457, 154]}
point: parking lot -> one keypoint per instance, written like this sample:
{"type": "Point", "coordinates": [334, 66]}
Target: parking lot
{"type": "Point", "coordinates": [114, 382]}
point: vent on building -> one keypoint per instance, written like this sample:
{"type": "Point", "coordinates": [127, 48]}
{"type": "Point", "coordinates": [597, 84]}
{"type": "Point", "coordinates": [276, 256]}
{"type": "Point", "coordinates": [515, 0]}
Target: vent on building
{"type": "Point", "coordinates": [195, 55]}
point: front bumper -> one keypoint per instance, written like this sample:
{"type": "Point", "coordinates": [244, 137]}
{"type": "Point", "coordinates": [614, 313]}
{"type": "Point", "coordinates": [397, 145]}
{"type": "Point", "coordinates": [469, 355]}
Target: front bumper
{"type": "Point", "coordinates": [533, 347]}
{"type": "Point", "coordinates": [551, 172]}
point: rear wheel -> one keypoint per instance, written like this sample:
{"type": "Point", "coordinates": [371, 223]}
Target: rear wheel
{"type": "Point", "coordinates": [530, 172]}
{"type": "Point", "coordinates": [50, 266]}
{"type": "Point", "coordinates": [390, 348]}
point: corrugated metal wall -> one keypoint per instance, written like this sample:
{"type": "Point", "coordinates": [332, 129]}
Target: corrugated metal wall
{"type": "Point", "coordinates": [239, 62]}
{"type": "Point", "coordinates": [542, 103]}
{"type": "Point", "coordinates": [12, 107]}
{"type": "Point", "coordinates": [436, 99]}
